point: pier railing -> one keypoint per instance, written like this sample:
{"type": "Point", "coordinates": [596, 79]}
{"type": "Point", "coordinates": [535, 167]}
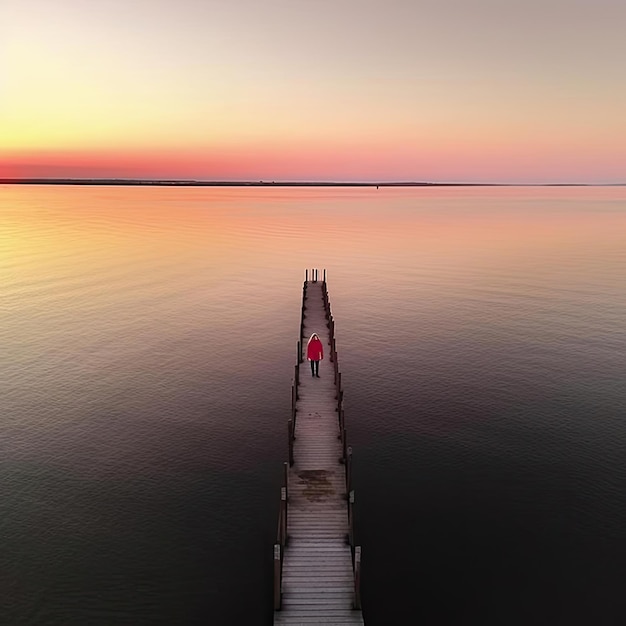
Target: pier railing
{"type": "Point", "coordinates": [346, 458]}
{"type": "Point", "coordinates": [346, 449]}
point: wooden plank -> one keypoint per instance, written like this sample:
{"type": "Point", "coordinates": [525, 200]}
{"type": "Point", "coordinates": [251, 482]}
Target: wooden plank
{"type": "Point", "coordinates": [332, 545]}
{"type": "Point", "coordinates": [314, 565]}
{"type": "Point", "coordinates": [301, 568]}
{"type": "Point", "coordinates": [327, 556]}
{"type": "Point", "coordinates": [327, 559]}
{"type": "Point", "coordinates": [330, 521]}
{"type": "Point", "coordinates": [324, 592]}
{"type": "Point", "coordinates": [331, 621]}
{"type": "Point", "coordinates": [320, 612]}
{"type": "Point", "coordinates": [339, 603]}
{"type": "Point", "coordinates": [346, 620]}
{"type": "Point", "coordinates": [327, 580]}
{"type": "Point", "coordinates": [331, 518]}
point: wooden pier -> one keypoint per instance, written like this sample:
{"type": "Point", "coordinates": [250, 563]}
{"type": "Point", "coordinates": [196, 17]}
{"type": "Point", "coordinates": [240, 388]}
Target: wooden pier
{"type": "Point", "coordinates": [317, 567]}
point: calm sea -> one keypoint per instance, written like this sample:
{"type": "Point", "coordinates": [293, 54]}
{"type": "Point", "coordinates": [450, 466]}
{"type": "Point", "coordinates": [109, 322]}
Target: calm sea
{"type": "Point", "coordinates": [147, 344]}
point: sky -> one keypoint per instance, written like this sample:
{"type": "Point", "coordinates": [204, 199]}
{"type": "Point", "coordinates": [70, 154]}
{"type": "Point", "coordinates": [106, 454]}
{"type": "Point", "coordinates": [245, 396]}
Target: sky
{"type": "Point", "coordinates": [342, 90]}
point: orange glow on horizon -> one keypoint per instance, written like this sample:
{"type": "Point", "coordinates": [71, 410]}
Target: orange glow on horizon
{"type": "Point", "coordinates": [376, 161]}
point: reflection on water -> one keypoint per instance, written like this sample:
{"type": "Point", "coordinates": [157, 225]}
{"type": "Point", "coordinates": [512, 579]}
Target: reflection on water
{"type": "Point", "coordinates": [148, 339]}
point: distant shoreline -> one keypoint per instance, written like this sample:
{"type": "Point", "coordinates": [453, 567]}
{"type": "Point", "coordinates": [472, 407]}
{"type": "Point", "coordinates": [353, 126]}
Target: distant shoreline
{"type": "Point", "coordinates": [261, 183]}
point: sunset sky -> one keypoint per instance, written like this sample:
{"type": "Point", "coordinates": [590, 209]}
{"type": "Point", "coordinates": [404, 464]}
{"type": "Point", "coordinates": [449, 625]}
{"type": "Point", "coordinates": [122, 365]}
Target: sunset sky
{"type": "Point", "coordinates": [358, 90]}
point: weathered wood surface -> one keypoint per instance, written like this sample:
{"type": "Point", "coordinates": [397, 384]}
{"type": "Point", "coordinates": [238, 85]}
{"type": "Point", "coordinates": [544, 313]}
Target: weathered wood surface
{"type": "Point", "coordinates": [318, 577]}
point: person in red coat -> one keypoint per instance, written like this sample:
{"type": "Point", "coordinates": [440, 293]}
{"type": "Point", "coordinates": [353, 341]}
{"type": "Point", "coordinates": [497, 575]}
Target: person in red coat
{"type": "Point", "coordinates": [315, 353]}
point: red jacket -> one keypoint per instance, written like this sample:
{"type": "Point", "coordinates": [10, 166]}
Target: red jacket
{"type": "Point", "coordinates": [314, 350]}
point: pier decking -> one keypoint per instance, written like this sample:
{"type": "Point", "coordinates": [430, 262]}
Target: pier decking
{"type": "Point", "coordinates": [316, 564]}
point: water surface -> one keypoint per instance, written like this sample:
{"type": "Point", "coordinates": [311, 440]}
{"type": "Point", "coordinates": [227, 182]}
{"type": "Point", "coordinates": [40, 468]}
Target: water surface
{"type": "Point", "coordinates": [148, 340]}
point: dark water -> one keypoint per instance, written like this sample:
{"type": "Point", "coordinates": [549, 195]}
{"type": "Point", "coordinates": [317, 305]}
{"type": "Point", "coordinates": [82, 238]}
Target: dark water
{"type": "Point", "coordinates": [148, 339]}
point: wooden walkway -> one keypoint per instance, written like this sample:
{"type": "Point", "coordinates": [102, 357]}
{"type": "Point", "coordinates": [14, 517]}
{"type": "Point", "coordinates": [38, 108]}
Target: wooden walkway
{"type": "Point", "coordinates": [317, 566]}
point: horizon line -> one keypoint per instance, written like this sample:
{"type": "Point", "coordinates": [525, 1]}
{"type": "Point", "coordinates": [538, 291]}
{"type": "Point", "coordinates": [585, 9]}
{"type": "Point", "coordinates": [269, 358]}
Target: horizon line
{"type": "Point", "coordinates": [280, 183]}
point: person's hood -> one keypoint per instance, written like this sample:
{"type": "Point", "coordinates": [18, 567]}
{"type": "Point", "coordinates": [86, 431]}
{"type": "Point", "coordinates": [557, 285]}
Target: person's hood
{"type": "Point", "coordinates": [311, 338]}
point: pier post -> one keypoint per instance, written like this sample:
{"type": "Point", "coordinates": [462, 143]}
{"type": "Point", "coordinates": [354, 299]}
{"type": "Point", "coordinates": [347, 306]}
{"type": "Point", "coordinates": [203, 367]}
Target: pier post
{"type": "Point", "coordinates": [290, 433]}
{"type": "Point", "coordinates": [279, 530]}
{"type": "Point", "coordinates": [341, 421]}
{"type": "Point", "coordinates": [349, 469]}
{"type": "Point", "coordinates": [351, 519]}
{"type": "Point", "coordinates": [338, 385]}
{"type": "Point", "coordinates": [277, 576]}
{"type": "Point", "coordinates": [357, 577]}
{"type": "Point", "coordinates": [286, 478]}
{"type": "Point", "coordinates": [302, 317]}
{"type": "Point", "coordinates": [283, 514]}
